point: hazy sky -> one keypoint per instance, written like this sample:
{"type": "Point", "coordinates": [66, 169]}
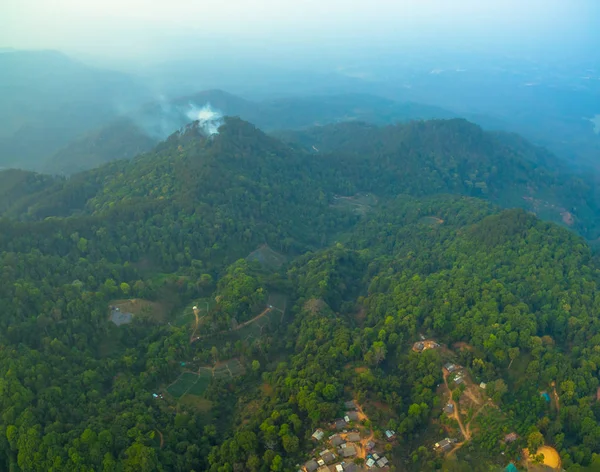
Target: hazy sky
{"type": "Point", "coordinates": [159, 29]}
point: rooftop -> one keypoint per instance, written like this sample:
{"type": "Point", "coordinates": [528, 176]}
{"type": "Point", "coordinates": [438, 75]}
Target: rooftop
{"type": "Point", "coordinates": [353, 437]}
{"type": "Point", "coordinates": [336, 440]}
{"type": "Point", "coordinates": [340, 424]}
{"type": "Point", "coordinates": [351, 416]}
{"type": "Point", "coordinates": [348, 451]}
{"type": "Point", "coordinates": [444, 444]}
{"type": "Point", "coordinates": [350, 405]}
{"type": "Point", "coordinates": [311, 465]}
{"type": "Point", "coordinates": [327, 456]}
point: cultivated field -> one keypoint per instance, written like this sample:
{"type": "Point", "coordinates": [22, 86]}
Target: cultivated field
{"type": "Point", "coordinates": [190, 383]}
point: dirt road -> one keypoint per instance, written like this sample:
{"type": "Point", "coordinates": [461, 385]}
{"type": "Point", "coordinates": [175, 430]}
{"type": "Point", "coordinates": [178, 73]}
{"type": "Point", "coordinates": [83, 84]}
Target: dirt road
{"type": "Point", "coordinates": [240, 326]}
{"type": "Point", "coordinates": [456, 414]}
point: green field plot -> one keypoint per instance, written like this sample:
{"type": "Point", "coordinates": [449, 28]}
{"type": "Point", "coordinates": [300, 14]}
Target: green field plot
{"type": "Point", "coordinates": [190, 383]}
{"type": "Point", "coordinates": [182, 384]}
{"type": "Point", "coordinates": [228, 369]}
{"type": "Point", "coordinates": [198, 388]}
{"type": "Point", "coordinates": [267, 257]}
{"type": "Point", "coordinates": [236, 368]}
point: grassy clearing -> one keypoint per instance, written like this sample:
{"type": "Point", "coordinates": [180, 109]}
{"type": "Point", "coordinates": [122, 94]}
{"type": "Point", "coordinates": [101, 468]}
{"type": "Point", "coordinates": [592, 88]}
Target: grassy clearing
{"type": "Point", "coordinates": [200, 404]}
{"type": "Point", "coordinates": [230, 368]}
{"type": "Point", "coordinates": [142, 308]}
{"type": "Point", "coordinates": [267, 257]}
{"type": "Point", "coordinates": [186, 317]}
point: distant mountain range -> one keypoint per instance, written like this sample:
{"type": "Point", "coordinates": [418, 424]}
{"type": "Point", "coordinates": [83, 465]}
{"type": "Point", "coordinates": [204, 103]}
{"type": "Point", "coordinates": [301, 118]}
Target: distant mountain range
{"type": "Point", "coordinates": [47, 99]}
{"type": "Point", "coordinates": [141, 130]}
{"type": "Point", "coordinates": [58, 115]}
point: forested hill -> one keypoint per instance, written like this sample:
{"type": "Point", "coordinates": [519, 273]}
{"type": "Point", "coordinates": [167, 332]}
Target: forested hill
{"type": "Point", "coordinates": [208, 305]}
{"type": "Point", "coordinates": [417, 158]}
{"type": "Point", "coordinates": [428, 157]}
{"type": "Point", "coordinates": [146, 126]}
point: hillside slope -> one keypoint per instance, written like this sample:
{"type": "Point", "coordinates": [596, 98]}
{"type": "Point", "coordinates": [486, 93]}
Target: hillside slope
{"type": "Point", "coordinates": [456, 156]}
{"type": "Point", "coordinates": [417, 158]}
{"type": "Point", "coordinates": [230, 365]}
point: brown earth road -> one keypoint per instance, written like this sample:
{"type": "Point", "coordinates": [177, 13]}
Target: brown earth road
{"type": "Point", "coordinates": [162, 439]}
{"type": "Point", "coordinates": [456, 414]}
{"type": "Point", "coordinates": [362, 453]}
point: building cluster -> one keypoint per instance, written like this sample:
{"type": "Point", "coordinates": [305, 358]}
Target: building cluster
{"type": "Point", "coordinates": [344, 446]}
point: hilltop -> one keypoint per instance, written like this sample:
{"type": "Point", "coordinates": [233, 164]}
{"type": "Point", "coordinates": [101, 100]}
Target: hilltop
{"type": "Point", "coordinates": [143, 128]}
{"type": "Point", "coordinates": [416, 158]}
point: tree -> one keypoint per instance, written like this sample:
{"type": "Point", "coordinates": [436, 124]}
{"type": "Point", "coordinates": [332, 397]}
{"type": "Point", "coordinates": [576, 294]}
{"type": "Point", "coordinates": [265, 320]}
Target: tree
{"type": "Point", "coordinates": [255, 365]}
{"type": "Point", "coordinates": [513, 353]}
{"type": "Point", "coordinates": [535, 440]}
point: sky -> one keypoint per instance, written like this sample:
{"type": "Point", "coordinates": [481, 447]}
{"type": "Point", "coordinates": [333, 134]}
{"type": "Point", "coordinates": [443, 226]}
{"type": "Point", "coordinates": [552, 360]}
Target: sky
{"type": "Point", "coordinates": [302, 30]}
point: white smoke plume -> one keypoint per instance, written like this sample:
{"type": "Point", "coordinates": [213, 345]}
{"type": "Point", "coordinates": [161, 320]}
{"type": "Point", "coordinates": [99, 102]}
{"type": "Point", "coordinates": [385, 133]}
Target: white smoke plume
{"type": "Point", "coordinates": [208, 118]}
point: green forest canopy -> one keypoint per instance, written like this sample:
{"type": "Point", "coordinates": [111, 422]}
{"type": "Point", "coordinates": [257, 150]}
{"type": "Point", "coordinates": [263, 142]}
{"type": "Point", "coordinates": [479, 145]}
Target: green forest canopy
{"type": "Point", "coordinates": [174, 226]}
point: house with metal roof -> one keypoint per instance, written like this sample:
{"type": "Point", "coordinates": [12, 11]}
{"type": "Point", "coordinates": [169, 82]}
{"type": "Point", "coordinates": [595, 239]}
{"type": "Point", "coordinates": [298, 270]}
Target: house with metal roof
{"type": "Point", "coordinates": [340, 424]}
{"type": "Point", "coordinates": [348, 451]}
{"type": "Point", "coordinates": [350, 405]}
{"type": "Point", "coordinates": [327, 456]}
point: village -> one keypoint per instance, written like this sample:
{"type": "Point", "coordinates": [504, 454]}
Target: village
{"type": "Point", "coordinates": [468, 405]}
{"type": "Point", "coordinates": [347, 446]}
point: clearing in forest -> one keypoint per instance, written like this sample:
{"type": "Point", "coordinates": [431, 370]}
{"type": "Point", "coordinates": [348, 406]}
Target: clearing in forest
{"type": "Point", "coordinates": [361, 203]}
{"type": "Point", "coordinates": [272, 315]}
{"type": "Point", "coordinates": [140, 307]}
{"type": "Point", "coordinates": [471, 403]}
{"type": "Point", "coordinates": [200, 404]}
{"type": "Point", "coordinates": [551, 459]}
{"type": "Point", "coordinates": [267, 257]}
{"type": "Point", "coordinates": [190, 383]}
